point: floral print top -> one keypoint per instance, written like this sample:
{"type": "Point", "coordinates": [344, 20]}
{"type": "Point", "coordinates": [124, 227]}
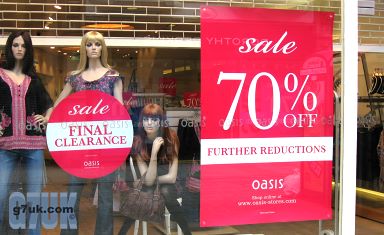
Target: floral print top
{"type": "Point", "coordinates": [105, 83]}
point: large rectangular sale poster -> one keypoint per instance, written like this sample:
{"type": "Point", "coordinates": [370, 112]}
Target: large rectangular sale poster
{"type": "Point", "coordinates": [267, 115]}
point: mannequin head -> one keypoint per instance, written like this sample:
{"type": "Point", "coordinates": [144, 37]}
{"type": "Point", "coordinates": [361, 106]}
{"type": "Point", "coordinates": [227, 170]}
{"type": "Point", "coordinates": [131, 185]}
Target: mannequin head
{"type": "Point", "coordinates": [11, 58]}
{"type": "Point", "coordinates": [152, 121]}
{"type": "Point", "coordinates": [91, 37]}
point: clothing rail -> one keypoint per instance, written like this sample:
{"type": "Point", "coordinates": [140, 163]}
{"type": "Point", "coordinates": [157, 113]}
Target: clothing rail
{"type": "Point", "coordinates": [374, 104]}
{"type": "Point", "coordinates": [142, 99]}
{"type": "Point", "coordinates": [369, 99]}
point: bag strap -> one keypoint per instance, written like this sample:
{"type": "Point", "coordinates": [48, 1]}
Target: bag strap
{"type": "Point", "coordinates": [140, 185]}
{"type": "Point", "coordinates": [156, 192]}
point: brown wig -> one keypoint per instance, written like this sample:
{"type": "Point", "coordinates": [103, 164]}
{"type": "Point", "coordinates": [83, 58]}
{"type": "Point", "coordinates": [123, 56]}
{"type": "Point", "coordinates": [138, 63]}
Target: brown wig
{"type": "Point", "coordinates": [28, 62]}
{"type": "Point", "coordinates": [171, 141]}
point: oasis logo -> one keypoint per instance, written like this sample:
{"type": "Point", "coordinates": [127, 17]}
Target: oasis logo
{"type": "Point", "coordinates": [267, 184]}
{"type": "Point", "coordinates": [91, 163]}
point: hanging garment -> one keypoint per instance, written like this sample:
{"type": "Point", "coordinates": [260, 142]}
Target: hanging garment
{"type": "Point", "coordinates": [189, 143]}
{"type": "Point", "coordinates": [380, 154]}
{"type": "Point", "coordinates": [368, 167]}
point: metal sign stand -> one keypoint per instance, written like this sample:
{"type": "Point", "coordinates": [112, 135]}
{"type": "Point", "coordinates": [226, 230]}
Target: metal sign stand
{"type": "Point", "coordinates": [337, 169]}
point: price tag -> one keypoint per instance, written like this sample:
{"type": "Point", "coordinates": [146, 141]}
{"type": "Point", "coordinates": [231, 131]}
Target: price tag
{"type": "Point", "coordinates": [192, 99]}
{"type": "Point", "coordinates": [168, 86]}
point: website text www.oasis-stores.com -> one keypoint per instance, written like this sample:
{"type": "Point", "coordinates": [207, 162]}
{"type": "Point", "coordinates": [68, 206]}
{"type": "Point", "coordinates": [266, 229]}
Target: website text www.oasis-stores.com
{"type": "Point", "coordinates": [266, 202]}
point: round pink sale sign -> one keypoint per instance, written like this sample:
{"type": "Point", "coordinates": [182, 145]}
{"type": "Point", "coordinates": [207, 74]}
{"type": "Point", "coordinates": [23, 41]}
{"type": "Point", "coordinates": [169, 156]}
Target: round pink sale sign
{"type": "Point", "coordinates": [89, 134]}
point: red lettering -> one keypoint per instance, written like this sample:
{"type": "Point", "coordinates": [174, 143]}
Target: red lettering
{"type": "Point", "coordinates": [106, 130]}
{"type": "Point", "coordinates": [57, 144]}
{"type": "Point", "coordinates": [123, 139]}
{"type": "Point", "coordinates": [71, 130]}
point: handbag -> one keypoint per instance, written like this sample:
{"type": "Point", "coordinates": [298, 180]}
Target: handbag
{"type": "Point", "coordinates": [193, 179]}
{"type": "Point", "coordinates": [143, 205]}
{"type": "Point", "coordinates": [119, 184]}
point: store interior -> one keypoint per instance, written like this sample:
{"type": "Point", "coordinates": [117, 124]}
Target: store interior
{"type": "Point", "coordinates": [370, 171]}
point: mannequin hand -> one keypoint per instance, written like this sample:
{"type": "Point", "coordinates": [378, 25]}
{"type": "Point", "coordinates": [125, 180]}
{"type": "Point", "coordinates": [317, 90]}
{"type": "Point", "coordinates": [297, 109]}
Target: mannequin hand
{"type": "Point", "coordinates": [156, 145]}
{"type": "Point", "coordinates": [40, 119]}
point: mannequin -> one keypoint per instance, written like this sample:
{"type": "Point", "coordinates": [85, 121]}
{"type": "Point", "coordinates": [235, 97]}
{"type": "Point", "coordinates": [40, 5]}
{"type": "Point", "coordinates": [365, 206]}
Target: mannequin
{"type": "Point", "coordinates": [155, 149]}
{"type": "Point", "coordinates": [94, 73]}
{"type": "Point", "coordinates": [23, 102]}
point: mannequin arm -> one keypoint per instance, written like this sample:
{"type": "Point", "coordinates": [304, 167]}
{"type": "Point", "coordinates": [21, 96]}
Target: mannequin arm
{"type": "Point", "coordinates": [118, 91]}
{"type": "Point", "coordinates": [170, 178]}
{"type": "Point", "coordinates": [64, 93]}
{"type": "Point", "coordinates": [151, 170]}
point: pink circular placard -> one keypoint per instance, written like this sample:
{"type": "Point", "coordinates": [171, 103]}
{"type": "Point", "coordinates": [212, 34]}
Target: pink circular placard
{"type": "Point", "coordinates": [89, 134]}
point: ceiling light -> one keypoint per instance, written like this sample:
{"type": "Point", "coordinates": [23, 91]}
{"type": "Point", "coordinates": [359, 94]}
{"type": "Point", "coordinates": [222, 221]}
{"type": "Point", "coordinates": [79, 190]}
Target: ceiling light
{"type": "Point", "coordinates": [65, 53]}
{"type": "Point", "coordinates": [70, 49]}
{"type": "Point", "coordinates": [57, 7]}
{"type": "Point", "coordinates": [108, 26]}
{"type": "Point", "coordinates": [52, 47]}
{"type": "Point", "coordinates": [179, 69]}
{"type": "Point", "coordinates": [47, 24]}
{"type": "Point", "coordinates": [167, 71]}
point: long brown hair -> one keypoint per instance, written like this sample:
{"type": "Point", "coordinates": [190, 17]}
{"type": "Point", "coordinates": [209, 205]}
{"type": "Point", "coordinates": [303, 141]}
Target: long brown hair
{"type": "Point", "coordinates": [171, 141]}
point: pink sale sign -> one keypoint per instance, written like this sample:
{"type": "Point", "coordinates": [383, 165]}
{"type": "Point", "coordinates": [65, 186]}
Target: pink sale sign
{"type": "Point", "coordinates": [89, 134]}
{"type": "Point", "coordinates": [267, 115]}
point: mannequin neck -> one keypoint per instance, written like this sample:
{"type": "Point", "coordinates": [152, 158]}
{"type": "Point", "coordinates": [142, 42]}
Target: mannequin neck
{"type": "Point", "coordinates": [18, 69]}
{"type": "Point", "coordinates": [152, 136]}
{"type": "Point", "coordinates": [94, 64]}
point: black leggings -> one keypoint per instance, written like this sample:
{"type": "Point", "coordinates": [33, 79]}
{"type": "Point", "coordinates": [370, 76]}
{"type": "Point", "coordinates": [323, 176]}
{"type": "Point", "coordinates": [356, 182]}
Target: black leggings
{"type": "Point", "coordinates": [173, 206]}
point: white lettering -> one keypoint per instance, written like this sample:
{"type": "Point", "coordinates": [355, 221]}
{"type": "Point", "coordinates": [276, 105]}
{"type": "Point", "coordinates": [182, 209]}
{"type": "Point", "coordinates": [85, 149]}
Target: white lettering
{"type": "Point", "coordinates": [267, 184]}
{"type": "Point", "coordinates": [89, 109]}
{"type": "Point", "coordinates": [266, 46]}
